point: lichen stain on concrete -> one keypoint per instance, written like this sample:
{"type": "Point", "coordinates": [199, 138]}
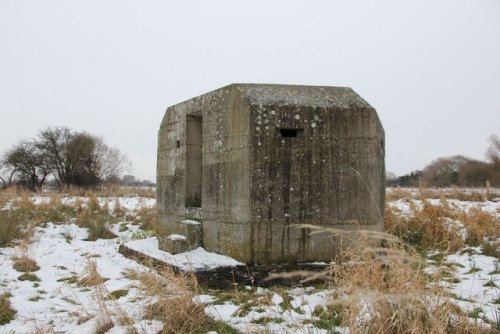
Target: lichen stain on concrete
{"type": "Point", "coordinates": [274, 156]}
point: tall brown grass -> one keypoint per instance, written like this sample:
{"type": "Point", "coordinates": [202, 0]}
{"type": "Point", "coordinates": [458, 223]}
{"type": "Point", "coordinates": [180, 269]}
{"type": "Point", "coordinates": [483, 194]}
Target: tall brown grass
{"type": "Point", "coordinates": [148, 219]}
{"type": "Point", "coordinates": [10, 228]}
{"type": "Point", "coordinates": [109, 311]}
{"type": "Point", "coordinates": [462, 194]}
{"type": "Point", "coordinates": [442, 226]}
{"type": "Point", "coordinates": [96, 219]}
{"type": "Point", "coordinates": [384, 290]}
{"type": "Point", "coordinates": [173, 303]}
{"type": "Point", "coordinates": [112, 191]}
{"type": "Point", "coordinates": [171, 297]}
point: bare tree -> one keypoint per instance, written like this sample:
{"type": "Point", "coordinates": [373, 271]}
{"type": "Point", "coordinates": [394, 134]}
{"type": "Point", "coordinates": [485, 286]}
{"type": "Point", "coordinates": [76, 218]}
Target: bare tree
{"type": "Point", "coordinates": [78, 158]}
{"type": "Point", "coordinates": [493, 155]}
{"type": "Point", "coordinates": [6, 175]}
{"type": "Point", "coordinates": [108, 162]}
{"type": "Point", "coordinates": [28, 163]}
{"type": "Point", "coordinates": [54, 144]}
{"type": "Point", "coordinates": [474, 173]}
{"type": "Point", "coordinates": [74, 158]}
{"type": "Point", "coordinates": [444, 172]}
{"type": "Point", "coordinates": [493, 151]}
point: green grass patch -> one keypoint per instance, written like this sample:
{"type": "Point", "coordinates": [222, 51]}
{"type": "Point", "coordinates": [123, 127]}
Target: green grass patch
{"type": "Point", "coordinates": [97, 223]}
{"type": "Point", "coordinates": [35, 299]}
{"type": "Point", "coordinates": [118, 294]}
{"type": "Point", "coordinates": [70, 280]}
{"type": "Point", "coordinates": [452, 280]}
{"type": "Point", "coordinates": [29, 277]}
{"type": "Point", "coordinates": [490, 248]}
{"type": "Point", "coordinates": [243, 310]}
{"type": "Point", "coordinates": [123, 228]}
{"type": "Point", "coordinates": [267, 320]}
{"type": "Point", "coordinates": [69, 300]}
{"type": "Point", "coordinates": [473, 270]}
{"type": "Point", "coordinates": [329, 316]}
{"type": "Point", "coordinates": [476, 313]}
{"type": "Point", "coordinates": [437, 257]}
{"type": "Point", "coordinates": [286, 304]}
{"type": "Point", "coordinates": [222, 327]}
{"type": "Point", "coordinates": [457, 297]}
{"type": "Point", "coordinates": [491, 284]}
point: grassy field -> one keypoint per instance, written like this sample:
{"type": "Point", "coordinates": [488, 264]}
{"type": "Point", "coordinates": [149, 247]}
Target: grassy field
{"type": "Point", "coordinates": [437, 271]}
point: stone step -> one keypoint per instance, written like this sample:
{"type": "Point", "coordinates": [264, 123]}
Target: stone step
{"type": "Point", "coordinates": [188, 237]}
{"type": "Point", "coordinates": [175, 244]}
{"type": "Point", "coordinates": [192, 230]}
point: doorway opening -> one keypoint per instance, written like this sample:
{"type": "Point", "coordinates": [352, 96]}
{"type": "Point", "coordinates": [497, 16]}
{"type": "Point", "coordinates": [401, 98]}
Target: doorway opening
{"type": "Point", "coordinates": [194, 134]}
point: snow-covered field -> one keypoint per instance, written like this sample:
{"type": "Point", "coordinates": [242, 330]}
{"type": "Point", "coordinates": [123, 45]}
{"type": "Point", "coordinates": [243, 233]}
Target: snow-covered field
{"type": "Point", "coordinates": [53, 298]}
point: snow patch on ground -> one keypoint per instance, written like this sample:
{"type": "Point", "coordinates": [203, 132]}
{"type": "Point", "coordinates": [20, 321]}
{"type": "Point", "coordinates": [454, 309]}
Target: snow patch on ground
{"type": "Point", "coordinates": [198, 259]}
{"type": "Point", "coordinates": [57, 303]}
{"type": "Point", "coordinates": [478, 282]}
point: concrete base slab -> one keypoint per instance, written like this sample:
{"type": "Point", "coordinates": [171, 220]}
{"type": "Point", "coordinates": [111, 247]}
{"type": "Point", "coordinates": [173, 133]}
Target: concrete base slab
{"type": "Point", "coordinates": [224, 277]}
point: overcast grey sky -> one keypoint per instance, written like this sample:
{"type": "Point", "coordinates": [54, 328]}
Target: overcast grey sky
{"type": "Point", "coordinates": [431, 68]}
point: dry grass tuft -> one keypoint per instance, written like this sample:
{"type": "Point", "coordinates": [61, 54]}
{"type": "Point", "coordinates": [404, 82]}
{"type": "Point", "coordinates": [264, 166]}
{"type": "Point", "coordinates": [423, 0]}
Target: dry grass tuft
{"type": "Point", "coordinates": [25, 264]}
{"type": "Point", "coordinates": [49, 329]}
{"type": "Point", "coordinates": [6, 312]}
{"type": "Point", "coordinates": [480, 225]}
{"type": "Point", "coordinates": [173, 304]}
{"type": "Point", "coordinates": [442, 226]}
{"type": "Point", "coordinates": [108, 308]}
{"type": "Point", "coordinates": [10, 228]}
{"type": "Point", "coordinates": [97, 223]}
{"type": "Point", "coordinates": [93, 277]}
{"type": "Point", "coordinates": [94, 205]}
{"type": "Point", "coordinates": [385, 291]}
{"type": "Point", "coordinates": [118, 210]}
{"type": "Point", "coordinates": [428, 227]}
{"type": "Point", "coordinates": [7, 194]}
{"type": "Point", "coordinates": [462, 195]}
{"type": "Point", "coordinates": [148, 219]}
{"type": "Point", "coordinates": [114, 191]}
{"type": "Point", "coordinates": [24, 201]}
{"type": "Point", "coordinates": [103, 325]}
{"type": "Point", "coordinates": [33, 215]}
{"type": "Point", "coordinates": [394, 194]}
{"type": "Point", "coordinates": [179, 314]}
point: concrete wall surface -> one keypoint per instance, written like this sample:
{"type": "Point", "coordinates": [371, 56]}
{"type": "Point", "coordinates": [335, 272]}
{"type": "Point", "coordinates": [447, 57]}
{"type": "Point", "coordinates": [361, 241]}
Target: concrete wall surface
{"type": "Point", "coordinates": [272, 157]}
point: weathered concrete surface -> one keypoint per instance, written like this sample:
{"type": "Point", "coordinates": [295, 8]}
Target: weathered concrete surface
{"type": "Point", "coordinates": [271, 157]}
{"type": "Point", "coordinates": [226, 277]}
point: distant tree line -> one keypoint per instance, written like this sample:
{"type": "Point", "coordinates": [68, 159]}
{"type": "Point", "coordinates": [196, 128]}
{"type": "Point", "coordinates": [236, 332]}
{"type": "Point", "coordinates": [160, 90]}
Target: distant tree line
{"type": "Point", "coordinates": [456, 170]}
{"type": "Point", "coordinates": [132, 181]}
{"type": "Point", "coordinates": [72, 158]}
